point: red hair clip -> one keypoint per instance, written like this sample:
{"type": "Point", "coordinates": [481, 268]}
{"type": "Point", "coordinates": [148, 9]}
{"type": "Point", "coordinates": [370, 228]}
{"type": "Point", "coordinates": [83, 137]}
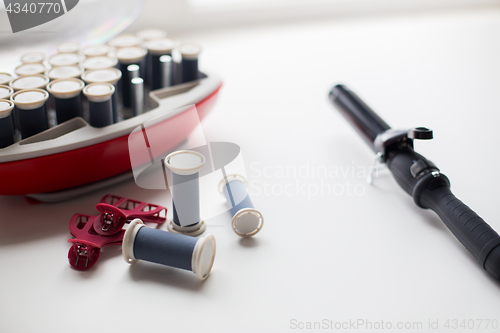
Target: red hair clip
{"type": "Point", "coordinates": [94, 232]}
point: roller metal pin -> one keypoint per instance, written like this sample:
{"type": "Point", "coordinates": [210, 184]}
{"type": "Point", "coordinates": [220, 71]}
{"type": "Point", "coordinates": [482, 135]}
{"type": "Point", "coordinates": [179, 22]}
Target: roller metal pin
{"type": "Point", "coordinates": [137, 96]}
{"type": "Point", "coordinates": [133, 71]}
{"type": "Point", "coordinates": [166, 70]}
{"type": "Point", "coordinates": [169, 249]}
{"type": "Point", "coordinates": [136, 87]}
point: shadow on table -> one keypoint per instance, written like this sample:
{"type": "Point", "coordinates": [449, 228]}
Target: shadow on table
{"type": "Point", "coordinates": [164, 275]}
{"type": "Point", "coordinates": [21, 222]}
{"type": "Point", "coordinates": [249, 242]}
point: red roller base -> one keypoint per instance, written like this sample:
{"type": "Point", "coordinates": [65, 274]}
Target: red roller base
{"type": "Point", "coordinates": [89, 164]}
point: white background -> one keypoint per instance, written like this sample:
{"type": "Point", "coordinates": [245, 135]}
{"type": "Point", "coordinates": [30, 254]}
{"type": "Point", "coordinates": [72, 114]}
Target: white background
{"type": "Point", "coordinates": [374, 256]}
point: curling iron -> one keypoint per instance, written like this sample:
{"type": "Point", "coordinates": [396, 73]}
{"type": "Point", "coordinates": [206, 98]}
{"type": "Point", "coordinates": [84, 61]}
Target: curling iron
{"type": "Point", "coordinates": [419, 177]}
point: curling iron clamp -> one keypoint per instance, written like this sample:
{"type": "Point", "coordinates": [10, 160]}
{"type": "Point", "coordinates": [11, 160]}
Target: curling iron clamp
{"type": "Point", "coordinates": [420, 178]}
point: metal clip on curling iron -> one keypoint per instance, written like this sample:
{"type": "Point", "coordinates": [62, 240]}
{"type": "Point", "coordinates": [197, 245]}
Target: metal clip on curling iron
{"type": "Point", "coordinates": [420, 178]}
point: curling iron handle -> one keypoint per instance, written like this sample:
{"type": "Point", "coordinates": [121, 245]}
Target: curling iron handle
{"type": "Point", "coordinates": [470, 229]}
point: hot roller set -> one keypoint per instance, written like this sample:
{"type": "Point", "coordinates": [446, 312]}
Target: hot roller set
{"type": "Point", "coordinates": [88, 115]}
{"type": "Point", "coordinates": [65, 117]}
{"type": "Point", "coordinates": [419, 177]}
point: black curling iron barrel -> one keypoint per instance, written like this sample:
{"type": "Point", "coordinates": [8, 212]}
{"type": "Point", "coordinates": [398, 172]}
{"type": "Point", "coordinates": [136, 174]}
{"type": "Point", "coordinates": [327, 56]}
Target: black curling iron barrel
{"type": "Point", "coordinates": [420, 178]}
{"type": "Point", "coordinates": [365, 120]}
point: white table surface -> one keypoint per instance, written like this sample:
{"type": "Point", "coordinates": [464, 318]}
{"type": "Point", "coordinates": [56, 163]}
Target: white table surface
{"type": "Point", "coordinates": [371, 255]}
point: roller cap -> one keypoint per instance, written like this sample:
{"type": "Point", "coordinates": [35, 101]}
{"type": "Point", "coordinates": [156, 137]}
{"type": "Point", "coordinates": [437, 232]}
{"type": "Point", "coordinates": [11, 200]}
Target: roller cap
{"type": "Point", "coordinates": [99, 92]}
{"type": "Point", "coordinates": [185, 162]}
{"type": "Point", "coordinates": [30, 82]}
{"type": "Point", "coordinates": [6, 108]}
{"type": "Point", "coordinates": [30, 99]}
{"type": "Point", "coordinates": [108, 75]}
{"type": "Point", "coordinates": [65, 88]}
